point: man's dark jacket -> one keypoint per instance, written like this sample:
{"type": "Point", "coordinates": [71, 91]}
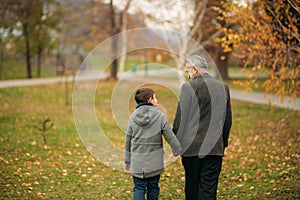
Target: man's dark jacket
{"type": "Point", "coordinates": [203, 118]}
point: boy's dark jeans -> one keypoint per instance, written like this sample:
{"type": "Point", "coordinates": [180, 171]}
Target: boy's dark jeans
{"type": "Point", "coordinates": [143, 185]}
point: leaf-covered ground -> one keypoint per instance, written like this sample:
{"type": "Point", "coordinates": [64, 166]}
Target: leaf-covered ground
{"type": "Point", "coordinates": [261, 162]}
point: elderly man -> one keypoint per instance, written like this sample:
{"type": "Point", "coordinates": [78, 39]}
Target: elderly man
{"type": "Point", "coordinates": [202, 125]}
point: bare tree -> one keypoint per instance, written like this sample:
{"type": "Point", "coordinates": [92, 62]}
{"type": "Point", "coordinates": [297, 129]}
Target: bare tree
{"type": "Point", "coordinates": [194, 19]}
{"type": "Point", "coordinates": [118, 24]}
{"type": "Point", "coordinates": [182, 23]}
{"type": "Point", "coordinates": [124, 36]}
{"type": "Point", "coordinates": [207, 34]}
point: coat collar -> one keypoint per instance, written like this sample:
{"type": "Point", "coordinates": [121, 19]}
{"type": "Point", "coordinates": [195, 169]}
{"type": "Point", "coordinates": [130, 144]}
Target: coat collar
{"type": "Point", "coordinates": [144, 104]}
{"type": "Point", "coordinates": [205, 75]}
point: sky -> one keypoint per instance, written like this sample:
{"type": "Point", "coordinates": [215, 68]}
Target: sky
{"type": "Point", "coordinates": [170, 13]}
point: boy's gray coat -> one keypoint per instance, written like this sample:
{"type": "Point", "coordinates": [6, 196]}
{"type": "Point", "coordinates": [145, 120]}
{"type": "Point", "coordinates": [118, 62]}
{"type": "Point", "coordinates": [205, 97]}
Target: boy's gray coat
{"type": "Point", "coordinates": [144, 145]}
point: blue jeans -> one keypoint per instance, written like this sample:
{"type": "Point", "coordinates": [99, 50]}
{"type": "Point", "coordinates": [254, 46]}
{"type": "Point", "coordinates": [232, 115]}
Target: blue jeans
{"type": "Point", "coordinates": [146, 185]}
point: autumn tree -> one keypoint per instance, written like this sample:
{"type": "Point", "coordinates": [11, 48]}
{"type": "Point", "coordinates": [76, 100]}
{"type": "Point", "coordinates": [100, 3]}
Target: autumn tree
{"type": "Point", "coordinates": [267, 41]}
{"type": "Point", "coordinates": [86, 24]}
{"type": "Point", "coordinates": [27, 12]}
{"type": "Point", "coordinates": [207, 33]}
{"type": "Point", "coordinates": [42, 35]}
{"type": "Point", "coordinates": [32, 27]}
{"type": "Point", "coordinates": [7, 22]}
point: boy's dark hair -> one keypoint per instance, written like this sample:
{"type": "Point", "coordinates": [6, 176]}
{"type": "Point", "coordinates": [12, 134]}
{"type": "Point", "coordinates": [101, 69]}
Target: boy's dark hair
{"type": "Point", "coordinates": [143, 94]}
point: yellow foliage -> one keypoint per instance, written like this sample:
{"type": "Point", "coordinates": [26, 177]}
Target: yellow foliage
{"type": "Point", "coordinates": [264, 40]}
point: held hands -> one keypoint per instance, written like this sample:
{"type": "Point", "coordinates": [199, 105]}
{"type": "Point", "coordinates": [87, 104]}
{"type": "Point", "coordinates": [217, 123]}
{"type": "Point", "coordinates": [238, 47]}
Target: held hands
{"type": "Point", "coordinates": [127, 168]}
{"type": "Point", "coordinates": [177, 152]}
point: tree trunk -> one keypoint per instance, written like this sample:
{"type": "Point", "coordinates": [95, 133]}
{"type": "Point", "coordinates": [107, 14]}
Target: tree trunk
{"type": "Point", "coordinates": [27, 46]}
{"type": "Point", "coordinates": [44, 138]}
{"type": "Point", "coordinates": [39, 61]}
{"type": "Point", "coordinates": [124, 41]}
{"type": "Point", "coordinates": [113, 71]}
{"type": "Point", "coordinates": [124, 36]}
{"type": "Point", "coordinates": [114, 65]}
{"type": "Point", "coordinates": [180, 62]}
{"type": "Point", "coordinates": [221, 60]}
{"type": "Point", "coordinates": [57, 62]}
{"type": "Point", "coordinates": [66, 90]}
{"type": "Point", "coordinates": [1, 60]}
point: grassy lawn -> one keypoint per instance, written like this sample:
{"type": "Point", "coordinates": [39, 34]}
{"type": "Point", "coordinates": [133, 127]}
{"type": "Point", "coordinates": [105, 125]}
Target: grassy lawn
{"type": "Point", "coordinates": [261, 162]}
{"type": "Point", "coordinates": [14, 69]}
{"type": "Point", "coordinates": [131, 63]}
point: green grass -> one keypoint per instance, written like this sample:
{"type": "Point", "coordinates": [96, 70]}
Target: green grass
{"type": "Point", "coordinates": [15, 69]}
{"type": "Point", "coordinates": [131, 63]}
{"type": "Point", "coordinates": [261, 162]}
{"type": "Point", "coordinates": [234, 69]}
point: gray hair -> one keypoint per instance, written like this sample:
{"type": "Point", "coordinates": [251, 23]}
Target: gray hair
{"type": "Point", "coordinates": [197, 61]}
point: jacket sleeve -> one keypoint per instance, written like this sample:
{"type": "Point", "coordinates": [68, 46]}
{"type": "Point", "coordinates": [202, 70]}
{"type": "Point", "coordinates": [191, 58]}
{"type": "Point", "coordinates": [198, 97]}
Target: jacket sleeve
{"type": "Point", "coordinates": [176, 122]}
{"type": "Point", "coordinates": [170, 137]}
{"type": "Point", "coordinates": [127, 146]}
{"type": "Point", "coordinates": [183, 105]}
{"type": "Point", "coordinates": [228, 119]}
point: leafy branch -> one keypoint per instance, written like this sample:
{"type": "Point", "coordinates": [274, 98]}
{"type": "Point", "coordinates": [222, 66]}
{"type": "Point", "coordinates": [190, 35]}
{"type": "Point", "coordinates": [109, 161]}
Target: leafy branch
{"type": "Point", "coordinates": [43, 126]}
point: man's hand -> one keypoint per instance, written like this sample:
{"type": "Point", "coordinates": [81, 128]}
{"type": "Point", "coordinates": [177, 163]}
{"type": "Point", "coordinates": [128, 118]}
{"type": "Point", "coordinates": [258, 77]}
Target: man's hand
{"type": "Point", "coordinates": [127, 168]}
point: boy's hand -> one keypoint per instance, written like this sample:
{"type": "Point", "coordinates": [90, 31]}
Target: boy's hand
{"type": "Point", "coordinates": [127, 168]}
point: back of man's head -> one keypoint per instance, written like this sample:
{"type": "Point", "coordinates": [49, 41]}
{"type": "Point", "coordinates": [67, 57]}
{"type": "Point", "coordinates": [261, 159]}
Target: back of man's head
{"type": "Point", "coordinates": [197, 61]}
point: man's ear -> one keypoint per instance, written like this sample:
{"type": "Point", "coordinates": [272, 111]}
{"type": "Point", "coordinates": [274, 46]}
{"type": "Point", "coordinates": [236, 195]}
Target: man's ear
{"type": "Point", "coordinates": [195, 69]}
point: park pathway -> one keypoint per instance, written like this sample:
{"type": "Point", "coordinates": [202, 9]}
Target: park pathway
{"type": "Point", "coordinates": [253, 97]}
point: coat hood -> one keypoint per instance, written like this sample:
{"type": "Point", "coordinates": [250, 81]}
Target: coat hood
{"type": "Point", "coordinates": [142, 115]}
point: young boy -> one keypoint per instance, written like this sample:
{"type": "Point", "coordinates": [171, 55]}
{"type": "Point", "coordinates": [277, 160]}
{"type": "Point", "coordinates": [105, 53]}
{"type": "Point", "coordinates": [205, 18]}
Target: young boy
{"type": "Point", "coordinates": [144, 145]}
